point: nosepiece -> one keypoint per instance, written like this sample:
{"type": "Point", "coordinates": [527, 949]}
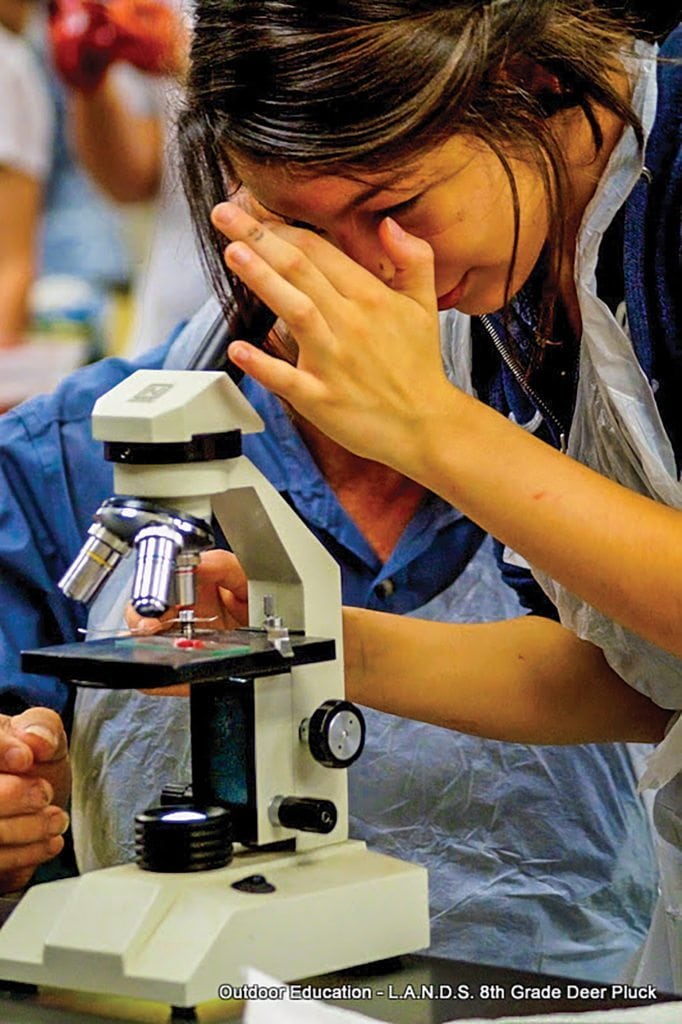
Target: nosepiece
{"type": "Point", "coordinates": [167, 543]}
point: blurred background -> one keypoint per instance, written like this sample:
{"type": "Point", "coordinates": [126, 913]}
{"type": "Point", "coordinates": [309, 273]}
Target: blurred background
{"type": "Point", "coordinates": [96, 250]}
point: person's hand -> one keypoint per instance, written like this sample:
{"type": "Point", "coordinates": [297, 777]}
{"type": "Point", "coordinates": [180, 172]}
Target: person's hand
{"type": "Point", "coordinates": [34, 787]}
{"type": "Point", "coordinates": [222, 597]}
{"type": "Point", "coordinates": [88, 36]}
{"type": "Point", "coordinates": [82, 40]}
{"type": "Point", "coordinates": [369, 362]}
{"type": "Point", "coordinates": [151, 36]}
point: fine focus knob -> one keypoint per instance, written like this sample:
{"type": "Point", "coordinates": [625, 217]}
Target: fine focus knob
{"type": "Point", "coordinates": [305, 814]}
{"type": "Point", "coordinates": [335, 733]}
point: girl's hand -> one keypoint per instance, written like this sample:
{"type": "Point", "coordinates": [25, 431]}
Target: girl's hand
{"type": "Point", "coordinates": [369, 367]}
{"type": "Point", "coordinates": [222, 595]}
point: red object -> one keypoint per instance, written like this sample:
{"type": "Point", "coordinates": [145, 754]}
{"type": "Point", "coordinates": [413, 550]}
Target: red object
{"type": "Point", "coordinates": [185, 642]}
{"type": "Point", "coordinates": [87, 36]}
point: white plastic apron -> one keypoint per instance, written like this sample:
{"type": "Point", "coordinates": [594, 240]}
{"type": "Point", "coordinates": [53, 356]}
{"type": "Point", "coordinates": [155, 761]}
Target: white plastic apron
{"type": "Point", "coordinates": [617, 431]}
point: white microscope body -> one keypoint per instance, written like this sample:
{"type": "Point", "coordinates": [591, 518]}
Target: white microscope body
{"type": "Point", "coordinates": [326, 902]}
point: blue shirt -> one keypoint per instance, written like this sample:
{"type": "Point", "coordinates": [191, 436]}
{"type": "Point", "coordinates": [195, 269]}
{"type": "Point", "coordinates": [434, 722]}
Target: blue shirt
{"type": "Point", "coordinates": [434, 548]}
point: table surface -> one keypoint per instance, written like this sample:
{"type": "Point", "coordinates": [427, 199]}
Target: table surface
{"type": "Point", "coordinates": [410, 990]}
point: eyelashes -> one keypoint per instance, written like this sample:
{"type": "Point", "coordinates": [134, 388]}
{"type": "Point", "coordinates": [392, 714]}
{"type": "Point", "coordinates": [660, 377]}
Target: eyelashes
{"type": "Point", "coordinates": [401, 208]}
{"type": "Point", "coordinates": [303, 225]}
{"type": "Point", "coordinates": [397, 210]}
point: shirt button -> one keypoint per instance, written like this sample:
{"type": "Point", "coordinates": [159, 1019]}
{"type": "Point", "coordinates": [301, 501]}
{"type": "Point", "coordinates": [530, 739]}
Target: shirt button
{"type": "Point", "coordinates": [386, 588]}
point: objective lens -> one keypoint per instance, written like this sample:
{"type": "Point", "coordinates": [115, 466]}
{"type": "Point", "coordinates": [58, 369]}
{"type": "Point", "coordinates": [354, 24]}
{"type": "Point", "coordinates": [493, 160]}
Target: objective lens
{"type": "Point", "coordinates": [93, 565]}
{"type": "Point", "coordinates": [157, 547]}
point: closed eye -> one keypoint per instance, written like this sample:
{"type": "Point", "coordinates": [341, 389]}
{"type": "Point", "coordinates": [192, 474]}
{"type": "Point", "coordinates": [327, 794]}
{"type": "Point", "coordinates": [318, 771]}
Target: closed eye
{"type": "Point", "coordinates": [300, 224]}
{"type": "Point", "coordinates": [401, 208]}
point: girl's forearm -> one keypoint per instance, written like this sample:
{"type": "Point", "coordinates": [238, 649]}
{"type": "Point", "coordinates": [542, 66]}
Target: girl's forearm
{"type": "Point", "coordinates": [525, 680]}
{"type": "Point", "coordinates": [617, 550]}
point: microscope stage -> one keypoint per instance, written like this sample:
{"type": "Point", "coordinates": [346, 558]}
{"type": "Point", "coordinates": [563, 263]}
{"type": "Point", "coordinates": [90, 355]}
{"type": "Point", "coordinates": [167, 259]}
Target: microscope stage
{"type": "Point", "coordinates": [134, 662]}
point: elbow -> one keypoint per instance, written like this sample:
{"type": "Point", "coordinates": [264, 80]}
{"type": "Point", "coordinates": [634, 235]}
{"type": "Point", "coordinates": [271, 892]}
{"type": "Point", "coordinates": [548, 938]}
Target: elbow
{"type": "Point", "coordinates": [652, 725]}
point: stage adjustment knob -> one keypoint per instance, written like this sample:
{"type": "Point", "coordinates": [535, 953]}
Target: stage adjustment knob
{"type": "Point", "coordinates": [335, 733]}
{"type": "Point", "coordinates": [305, 814]}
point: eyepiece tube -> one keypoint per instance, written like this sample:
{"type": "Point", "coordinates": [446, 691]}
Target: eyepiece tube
{"type": "Point", "coordinates": [93, 565]}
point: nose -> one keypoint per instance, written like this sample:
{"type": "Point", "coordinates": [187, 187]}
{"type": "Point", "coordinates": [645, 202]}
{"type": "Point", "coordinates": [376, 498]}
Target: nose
{"type": "Point", "coordinates": [362, 245]}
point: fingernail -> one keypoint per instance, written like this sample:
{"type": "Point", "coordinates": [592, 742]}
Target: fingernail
{"type": "Point", "coordinates": [394, 228]}
{"type": "Point", "coordinates": [39, 795]}
{"type": "Point", "coordinates": [44, 733]}
{"type": "Point", "coordinates": [223, 213]}
{"type": "Point", "coordinates": [17, 759]}
{"type": "Point", "coordinates": [58, 823]}
{"type": "Point", "coordinates": [238, 353]}
{"type": "Point", "coordinates": [238, 253]}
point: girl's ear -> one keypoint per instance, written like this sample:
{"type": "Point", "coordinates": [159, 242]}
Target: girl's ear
{"type": "Point", "coordinates": [537, 80]}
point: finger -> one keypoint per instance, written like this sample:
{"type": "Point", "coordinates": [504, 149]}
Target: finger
{"type": "Point", "coordinates": [222, 588]}
{"type": "Point", "coordinates": [16, 858]}
{"type": "Point", "coordinates": [283, 250]}
{"type": "Point", "coordinates": [16, 881]}
{"type": "Point", "coordinates": [350, 279]}
{"type": "Point", "coordinates": [236, 612]}
{"type": "Point", "coordinates": [274, 374]}
{"type": "Point", "coordinates": [181, 690]}
{"type": "Point", "coordinates": [42, 730]}
{"type": "Point", "coordinates": [413, 261]}
{"type": "Point", "coordinates": [222, 569]}
{"type": "Point", "coordinates": [218, 574]}
{"type": "Point", "coordinates": [137, 623]}
{"type": "Point", "coordinates": [15, 755]}
{"type": "Point", "coordinates": [26, 829]}
{"type": "Point", "coordinates": [296, 306]}
{"type": "Point", "coordinates": [22, 795]}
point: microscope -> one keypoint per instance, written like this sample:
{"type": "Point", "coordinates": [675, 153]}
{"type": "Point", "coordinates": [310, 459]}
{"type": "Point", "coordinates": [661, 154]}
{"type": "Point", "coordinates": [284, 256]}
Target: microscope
{"type": "Point", "coordinates": [253, 866]}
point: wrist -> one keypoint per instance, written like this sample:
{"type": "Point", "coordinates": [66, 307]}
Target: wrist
{"type": "Point", "coordinates": [435, 436]}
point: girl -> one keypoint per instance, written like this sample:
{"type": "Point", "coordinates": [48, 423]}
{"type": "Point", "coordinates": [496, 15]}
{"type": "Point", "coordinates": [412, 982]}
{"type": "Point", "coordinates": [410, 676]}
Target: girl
{"type": "Point", "coordinates": [515, 165]}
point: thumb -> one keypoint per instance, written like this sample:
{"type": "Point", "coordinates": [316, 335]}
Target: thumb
{"type": "Point", "coordinates": [222, 569]}
{"type": "Point", "coordinates": [42, 730]}
{"type": "Point", "coordinates": [412, 259]}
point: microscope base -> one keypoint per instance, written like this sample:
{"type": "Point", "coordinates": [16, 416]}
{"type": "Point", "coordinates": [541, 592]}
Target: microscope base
{"type": "Point", "coordinates": [177, 938]}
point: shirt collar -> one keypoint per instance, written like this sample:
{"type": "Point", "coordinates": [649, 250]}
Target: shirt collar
{"type": "Point", "coordinates": [626, 162]}
{"type": "Point", "coordinates": [281, 454]}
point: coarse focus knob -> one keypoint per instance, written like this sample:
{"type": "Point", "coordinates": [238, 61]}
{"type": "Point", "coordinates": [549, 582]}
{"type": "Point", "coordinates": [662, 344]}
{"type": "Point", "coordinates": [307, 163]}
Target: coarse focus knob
{"type": "Point", "coordinates": [335, 733]}
{"type": "Point", "coordinates": [305, 814]}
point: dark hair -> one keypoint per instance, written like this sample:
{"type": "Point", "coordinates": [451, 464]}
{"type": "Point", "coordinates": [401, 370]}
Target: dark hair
{"type": "Point", "coordinates": [354, 86]}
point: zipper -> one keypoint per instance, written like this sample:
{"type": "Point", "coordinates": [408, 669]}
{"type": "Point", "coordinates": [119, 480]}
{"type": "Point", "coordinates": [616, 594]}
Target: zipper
{"type": "Point", "coordinates": [519, 376]}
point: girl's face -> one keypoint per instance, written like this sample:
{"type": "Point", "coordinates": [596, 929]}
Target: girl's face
{"type": "Point", "coordinates": [457, 197]}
